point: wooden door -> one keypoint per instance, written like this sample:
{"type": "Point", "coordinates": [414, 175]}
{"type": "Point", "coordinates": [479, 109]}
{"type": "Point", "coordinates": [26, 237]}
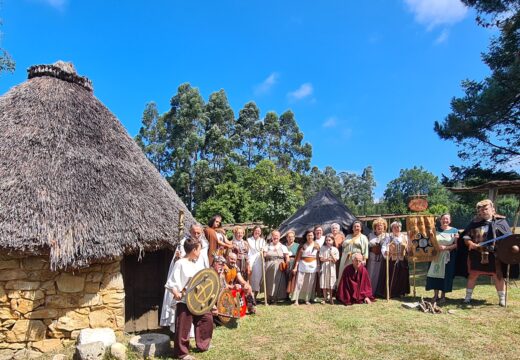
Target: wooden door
{"type": "Point", "coordinates": [144, 288]}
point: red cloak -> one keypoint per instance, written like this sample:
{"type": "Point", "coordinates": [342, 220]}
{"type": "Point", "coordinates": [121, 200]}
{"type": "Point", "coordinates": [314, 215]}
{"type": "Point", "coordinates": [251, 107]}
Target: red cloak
{"type": "Point", "coordinates": [354, 286]}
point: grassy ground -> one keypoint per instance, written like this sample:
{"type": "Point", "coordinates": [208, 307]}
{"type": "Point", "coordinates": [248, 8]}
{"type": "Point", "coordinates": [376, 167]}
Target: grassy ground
{"type": "Point", "coordinates": [384, 330]}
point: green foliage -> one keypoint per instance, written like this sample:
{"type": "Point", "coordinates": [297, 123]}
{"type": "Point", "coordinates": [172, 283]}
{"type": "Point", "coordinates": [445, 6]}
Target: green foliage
{"type": "Point", "coordinates": [7, 63]}
{"type": "Point", "coordinates": [413, 182]}
{"type": "Point", "coordinates": [485, 122]}
{"type": "Point", "coordinates": [218, 165]}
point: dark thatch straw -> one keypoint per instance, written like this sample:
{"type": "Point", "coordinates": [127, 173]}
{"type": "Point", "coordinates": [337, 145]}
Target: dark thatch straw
{"type": "Point", "coordinates": [73, 183]}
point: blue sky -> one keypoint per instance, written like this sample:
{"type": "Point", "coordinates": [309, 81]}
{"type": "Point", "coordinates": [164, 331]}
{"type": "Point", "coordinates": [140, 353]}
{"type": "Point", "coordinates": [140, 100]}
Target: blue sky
{"type": "Point", "coordinates": [365, 79]}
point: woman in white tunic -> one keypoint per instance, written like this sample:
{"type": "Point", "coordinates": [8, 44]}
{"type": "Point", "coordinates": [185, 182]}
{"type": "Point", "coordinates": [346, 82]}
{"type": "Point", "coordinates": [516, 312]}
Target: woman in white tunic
{"type": "Point", "coordinates": [306, 267]}
{"type": "Point", "coordinates": [329, 255]}
{"type": "Point", "coordinates": [354, 243]}
{"type": "Point", "coordinates": [256, 245]}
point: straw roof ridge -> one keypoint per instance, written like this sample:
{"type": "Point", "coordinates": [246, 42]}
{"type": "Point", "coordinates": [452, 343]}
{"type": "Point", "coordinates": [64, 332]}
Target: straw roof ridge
{"type": "Point", "coordinates": [73, 183]}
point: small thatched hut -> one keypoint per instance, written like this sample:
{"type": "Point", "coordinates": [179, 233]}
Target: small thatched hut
{"type": "Point", "coordinates": [86, 221]}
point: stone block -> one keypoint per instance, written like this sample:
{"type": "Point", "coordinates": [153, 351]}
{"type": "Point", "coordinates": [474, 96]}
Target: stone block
{"type": "Point", "coordinates": [92, 268]}
{"type": "Point", "coordinates": [13, 294]}
{"type": "Point", "coordinates": [49, 287]}
{"type": "Point", "coordinates": [12, 346]}
{"type": "Point", "coordinates": [24, 306]}
{"type": "Point", "coordinates": [41, 275]}
{"type": "Point", "coordinates": [113, 282]}
{"type": "Point", "coordinates": [59, 357]}
{"type": "Point", "coordinates": [74, 334]}
{"type": "Point", "coordinates": [114, 299]}
{"type": "Point", "coordinates": [3, 295]}
{"type": "Point", "coordinates": [62, 301]}
{"type": "Point", "coordinates": [94, 277]}
{"type": "Point", "coordinates": [47, 345]}
{"type": "Point", "coordinates": [101, 319]}
{"type": "Point", "coordinates": [27, 354]}
{"type": "Point", "coordinates": [27, 330]}
{"type": "Point", "coordinates": [12, 274]}
{"type": "Point", "coordinates": [150, 345]}
{"type": "Point", "coordinates": [9, 264]}
{"type": "Point", "coordinates": [52, 332]}
{"type": "Point", "coordinates": [6, 354]}
{"type": "Point", "coordinates": [32, 295]}
{"type": "Point", "coordinates": [42, 314]}
{"type": "Point", "coordinates": [90, 351]}
{"type": "Point", "coordinates": [105, 335]}
{"type": "Point", "coordinates": [73, 321]}
{"type": "Point", "coordinates": [7, 324]}
{"type": "Point", "coordinates": [90, 300]}
{"type": "Point", "coordinates": [22, 285]}
{"type": "Point", "coordinates": [91, 287]}
{"type": "Point", "coordinates": [69, 283]}
{"type": "Point", "coordinates": [6, 313]}
{"type": "Point", "coordinates": [35, 263]}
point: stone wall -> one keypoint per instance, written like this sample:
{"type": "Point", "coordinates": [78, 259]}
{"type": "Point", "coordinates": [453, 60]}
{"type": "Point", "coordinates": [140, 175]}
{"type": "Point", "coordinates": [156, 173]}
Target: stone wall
{"type": "Point", "coordinates": [42, 310]}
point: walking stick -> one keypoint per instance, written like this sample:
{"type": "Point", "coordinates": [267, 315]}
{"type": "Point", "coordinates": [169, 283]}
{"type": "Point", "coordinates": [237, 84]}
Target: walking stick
{"type": "Point", "coordinates": [264, 279]}
{"type": "Point", "coordinates": [507, 283]}
{"type": "Point", "coordinates": [331, 264]}
{"type": "Point", "coordinates": [413, 259]}
{"type": "Point", "coordinates": [388, 276]}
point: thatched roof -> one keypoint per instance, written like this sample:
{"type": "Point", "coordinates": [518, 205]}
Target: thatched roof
{"type": "Point", "coordinates": [323, 209]}
{"type": "Point", "coordinates": [73, 183]}
{"type": "Point", "coordinates": [504, 186]}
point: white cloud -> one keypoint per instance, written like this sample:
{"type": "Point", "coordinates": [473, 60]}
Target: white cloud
{"type": "Point", "coordinates": [330, 122]}
{"type": "Point", "coordinates": [437, 12]}
{"type": "Point", "coordinates": [302, 92]}
{"type": "Point", "coordinates": [267, 84]}
{"type": "Point", "coordinates": [442, 37]}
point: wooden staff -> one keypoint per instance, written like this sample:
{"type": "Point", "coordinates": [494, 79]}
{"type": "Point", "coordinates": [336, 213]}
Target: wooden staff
{"type": "Point", "coordinates": [388, 275]}
{"type": "Point", "coordinates": [331, 264]}
{"type": "Point", "coordinates": [507, 284]}
{"type": "Point", "coordinates": [263, 273]}
{"type": "Point", "coordinates": [413, 259]}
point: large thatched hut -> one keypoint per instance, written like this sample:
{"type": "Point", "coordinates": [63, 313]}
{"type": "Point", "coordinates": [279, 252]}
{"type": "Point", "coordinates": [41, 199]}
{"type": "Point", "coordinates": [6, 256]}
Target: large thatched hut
{"type": "Point", "coordinates": [86, 222]}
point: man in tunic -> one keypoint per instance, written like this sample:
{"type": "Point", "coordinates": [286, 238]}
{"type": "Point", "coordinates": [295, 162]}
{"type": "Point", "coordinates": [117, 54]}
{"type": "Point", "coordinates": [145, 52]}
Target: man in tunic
{"type": "Point", "coordinates": [236, 281]}
{"type": "Point", "coordinates": [167, 311]}
{"type": "Point", "coordinates": [479, 260]}
{"type": "Point", "coordinates": [183, 270]}
{"type": "Point", "coordinates": [354, 286]}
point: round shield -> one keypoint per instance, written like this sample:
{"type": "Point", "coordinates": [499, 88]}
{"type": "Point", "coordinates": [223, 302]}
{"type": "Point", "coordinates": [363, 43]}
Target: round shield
{"type": "Point", "coordinates": [508, 249]}
{"type": "Point", "coordinates": [202, 291]}
{"type": "Point", "coordinates": [228, 306]}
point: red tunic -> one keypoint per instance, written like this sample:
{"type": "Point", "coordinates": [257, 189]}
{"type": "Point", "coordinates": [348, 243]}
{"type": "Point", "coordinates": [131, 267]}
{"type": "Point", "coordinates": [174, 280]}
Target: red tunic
{"type": "Point", "coordinates": [354, 286]}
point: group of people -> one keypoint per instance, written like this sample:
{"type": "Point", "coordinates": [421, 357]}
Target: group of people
{"type": "Point", "coordinates": [354, 269]}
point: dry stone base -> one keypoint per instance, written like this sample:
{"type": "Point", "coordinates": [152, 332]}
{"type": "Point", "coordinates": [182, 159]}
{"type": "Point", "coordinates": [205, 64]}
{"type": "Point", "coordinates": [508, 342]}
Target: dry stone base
{"type": "Point", "coordinates": [42, 310]}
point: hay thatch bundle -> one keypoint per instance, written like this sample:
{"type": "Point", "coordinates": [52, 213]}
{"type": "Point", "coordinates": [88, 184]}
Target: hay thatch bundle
{"type": "Point", "coordinates": [73, 183]}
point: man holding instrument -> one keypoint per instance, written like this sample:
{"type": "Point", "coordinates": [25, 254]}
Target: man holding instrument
{"type": "Point", "coordinates": [183, 270]}
{"type": "Point", "coordinates": [480, 259]}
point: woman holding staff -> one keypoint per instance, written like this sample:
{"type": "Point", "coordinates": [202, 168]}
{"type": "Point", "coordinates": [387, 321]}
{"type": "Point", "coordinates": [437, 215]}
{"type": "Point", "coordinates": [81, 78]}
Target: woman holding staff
{"type": "Point", "coordinates": [394, 250]}
{"type": "Point", "coordinates": [256, 245]}
{"type": "Point", "coordinates": [375, 259]}
{"type": "Point", "coordinates": [442, 269]}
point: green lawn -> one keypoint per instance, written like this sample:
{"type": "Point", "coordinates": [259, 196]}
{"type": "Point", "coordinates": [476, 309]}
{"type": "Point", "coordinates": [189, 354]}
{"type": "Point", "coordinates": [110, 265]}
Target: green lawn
{"type": "Point", "coordinates": [384, 330]}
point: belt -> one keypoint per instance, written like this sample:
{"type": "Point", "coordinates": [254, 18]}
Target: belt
{"type": "Point", "coordinates": [309, 259]}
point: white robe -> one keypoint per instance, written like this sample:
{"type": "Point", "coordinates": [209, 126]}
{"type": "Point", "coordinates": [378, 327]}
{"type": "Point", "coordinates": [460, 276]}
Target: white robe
{"type": "Point", "coordinates": [255, 261]}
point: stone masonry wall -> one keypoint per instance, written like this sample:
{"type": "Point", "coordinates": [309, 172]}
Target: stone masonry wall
{"type": "Point", "coordinates": [42, 310]}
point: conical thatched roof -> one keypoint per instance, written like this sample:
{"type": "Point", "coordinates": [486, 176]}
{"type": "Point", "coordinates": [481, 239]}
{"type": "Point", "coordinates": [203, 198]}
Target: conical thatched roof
{"type": "Point", "coordinates": [323, 209]}
{"type": "Point", "coordinates": [73, 183]}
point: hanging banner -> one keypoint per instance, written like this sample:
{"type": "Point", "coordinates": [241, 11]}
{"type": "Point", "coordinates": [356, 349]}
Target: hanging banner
{"type": "Point", "coordinates": [422, 235]}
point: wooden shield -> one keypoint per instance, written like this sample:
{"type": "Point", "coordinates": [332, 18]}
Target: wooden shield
{"type": "Point", "coordinates": [202, 291]}
{"type": "Point", "coordinates": [422, 238]}
{"type": "Point", "coordinates": [228, 306]}
{"type": "Point", "coordinates": [508, 249]}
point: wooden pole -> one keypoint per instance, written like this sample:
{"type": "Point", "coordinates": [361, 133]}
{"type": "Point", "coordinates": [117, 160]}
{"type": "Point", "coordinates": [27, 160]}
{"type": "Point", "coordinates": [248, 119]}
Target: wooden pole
{"type": "Point", "coordinates": [388, 276]}
{"type": "Point", "coordinates": [507, 283]}
{"type": "Point", "coordinates": [413, 259]}
{"type": "Point", "coordinates": [264, 279]}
